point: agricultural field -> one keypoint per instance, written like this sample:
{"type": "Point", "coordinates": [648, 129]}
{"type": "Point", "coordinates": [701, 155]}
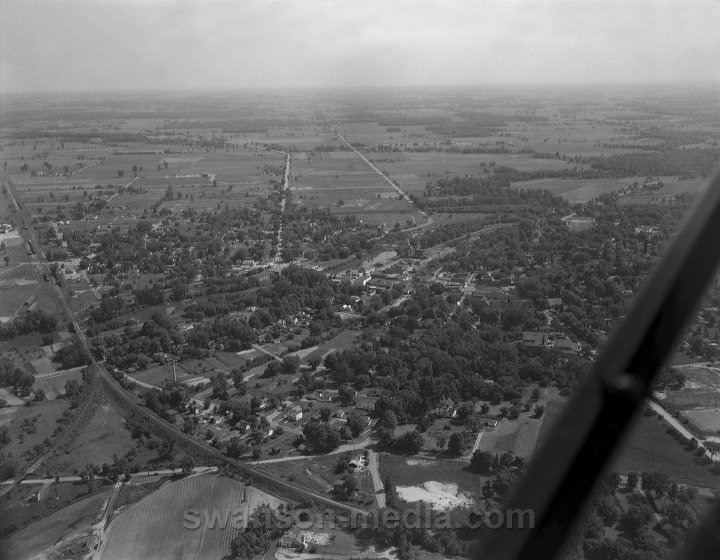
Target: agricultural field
{"type": "Point", "coordinates": [153, 528]}
{"type": "Point", "coordinates": [43, 534]}
{"type": "Point", "coordinates": [672, 186]}
{"type": "Point", "coordinates": [53, 384]}
{"type": "Point", "coordinates": [573, 190]}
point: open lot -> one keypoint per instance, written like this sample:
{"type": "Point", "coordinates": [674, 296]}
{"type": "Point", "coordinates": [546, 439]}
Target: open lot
{"type": "Point", "coordinates": [449, 479]}
{"type": "Point", "coordinates": [648, 447]}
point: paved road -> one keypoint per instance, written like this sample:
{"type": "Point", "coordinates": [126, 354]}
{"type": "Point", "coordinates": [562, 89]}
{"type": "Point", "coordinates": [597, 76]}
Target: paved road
{"type": "Point", "coordinates": [261, 349]}
{"type": "Point", "coordinates": [679, 427]}
{"type": "Point", "coordinates": [389, 182]}
{"type": "Point", "coordinates": [374, 469]}
{"type": "Point", "coordinates": [159, 472]}
{"type": "Point", "coordinates": [342, 449]}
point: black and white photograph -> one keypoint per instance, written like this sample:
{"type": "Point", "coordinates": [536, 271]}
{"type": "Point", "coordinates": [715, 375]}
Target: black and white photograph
{"type": "Point", "coordinates": [359, 280]}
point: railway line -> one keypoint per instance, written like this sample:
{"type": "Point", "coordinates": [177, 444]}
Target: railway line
{"type": "Point", "coordinates": [104, 377]}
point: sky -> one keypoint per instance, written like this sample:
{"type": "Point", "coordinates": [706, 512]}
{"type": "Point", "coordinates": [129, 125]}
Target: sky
{"type": "Point", "coordinates": [128, 45]}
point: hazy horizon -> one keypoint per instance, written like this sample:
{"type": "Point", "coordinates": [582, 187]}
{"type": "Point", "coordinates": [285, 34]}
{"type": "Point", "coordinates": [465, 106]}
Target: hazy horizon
{"type": "Point", "coordinates": [176, 46]}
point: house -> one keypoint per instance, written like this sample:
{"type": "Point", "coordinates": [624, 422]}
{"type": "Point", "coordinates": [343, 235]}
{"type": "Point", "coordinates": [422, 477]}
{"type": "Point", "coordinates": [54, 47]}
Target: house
{"type": "Point", "coordinates": [380, 283]}
{"type": "Point", "coordinates": [446, 409]}
{"type": "Point", "coordinates": [543, 340]}
{"type": "Point", "coordinates": [555, 303]}
{"type": "Point", "coordinates": [292, 539]}
{"type": "Point", "coordinates": [488, 421]}
{"type": "Point", "coordinates": [357, 464]}
{"type": "Point", "coordinates": [265, 276]}
{"type": "Point", "coordinates": [295, 413]}
{"type": "Point", "coordinates": [321, 396]}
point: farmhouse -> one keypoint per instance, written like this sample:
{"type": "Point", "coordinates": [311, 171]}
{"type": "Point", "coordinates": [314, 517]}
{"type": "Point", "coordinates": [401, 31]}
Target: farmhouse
{"type": "Point", "coordinates": [295, 413]}
{"type": "Point", "coordinates": [357, 464]}
{"type": "Point", "coordinates": [446, 409]}
{"type": "Point", "coordinates": [291, 539]}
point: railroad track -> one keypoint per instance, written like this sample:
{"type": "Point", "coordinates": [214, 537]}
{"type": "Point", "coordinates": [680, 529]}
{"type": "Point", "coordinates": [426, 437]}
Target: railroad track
{"type": "Point", "coordinates": [101, 374]}
{"type": "Point", "coordinates": [251, 472]}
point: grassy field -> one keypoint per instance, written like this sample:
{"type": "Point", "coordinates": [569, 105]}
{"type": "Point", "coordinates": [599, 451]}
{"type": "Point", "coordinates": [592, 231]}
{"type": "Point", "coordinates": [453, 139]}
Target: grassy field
{"type": "Point", "coordinates": [40, 420]}
{"type": "Point", "coordinates": [417, 471]}
{"type": "Point", "coordinates": [153, 528]}
{"type": "Point", "coordinates": [102, 437]}
{"type": "Point", "coordinates": [337, 344]}
{"type": "Point", "coordinates": [647, 447]}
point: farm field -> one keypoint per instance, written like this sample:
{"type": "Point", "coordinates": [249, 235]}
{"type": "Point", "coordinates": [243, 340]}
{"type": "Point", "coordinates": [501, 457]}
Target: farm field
{"type": "Point", "coordinates": [54, 383]}
{"type": "Point", "coordinates": [153, 528]}
{"type": "Point", "coordinates": [672, 186]}
{"type": "Point", "coordinates": [573, 190]}
{"type": "Point", "coordinates": [28, 542]}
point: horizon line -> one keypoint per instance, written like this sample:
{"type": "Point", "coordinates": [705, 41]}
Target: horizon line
{"type": "Point", "coordinates": [603, 85]}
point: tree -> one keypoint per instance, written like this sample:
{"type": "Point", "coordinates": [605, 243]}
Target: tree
{"type": "Point", "coordinates": [411, 442]}
{"type": "Point", "coordinates": [121, 173]}
{"type": "Point", "coordinates": [290, 365]}
{"type": "Point", "coordinates": [655, 482]}
{"type": "Point", "coordinates": [632, 480]}
{"type": "Point", "coordinates": [187, 463]}
{"type": "Point", "coordinates": [456, 444]}
{"type": "Point", "coordinates": [356, 423]}
{"type": "Point", "coordinates": [481, 461]}
{"type": "Point", "coordinates": [636, 517]}
{"type": "Point", "coordinates": [613, 481]}
{"type": "Point", "coordinates": [325, 414]}
{"type": "Point", "coordinates": [350, 486]}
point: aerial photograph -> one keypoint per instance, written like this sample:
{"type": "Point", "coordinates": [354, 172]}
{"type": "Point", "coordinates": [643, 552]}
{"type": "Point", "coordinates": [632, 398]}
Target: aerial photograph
{"type": "Point", "coordinates": [376, 280]}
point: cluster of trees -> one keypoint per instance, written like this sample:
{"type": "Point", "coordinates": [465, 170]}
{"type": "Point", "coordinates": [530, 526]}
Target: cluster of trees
{"type": "Point", "coordinates": [13, 376]}
{"type": "Point", "coordinates": [321, 435]}
{"type": "Point", "coordinates": [32, 322]}
{"type": "Point", "coordinates": [685, 163]}
{"type": "Point", "coordinates": [72, 355]}
{"type": "Point", "coordinates": [135, 348]}
{"type": "Point", "coordinates": [263, 527]}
